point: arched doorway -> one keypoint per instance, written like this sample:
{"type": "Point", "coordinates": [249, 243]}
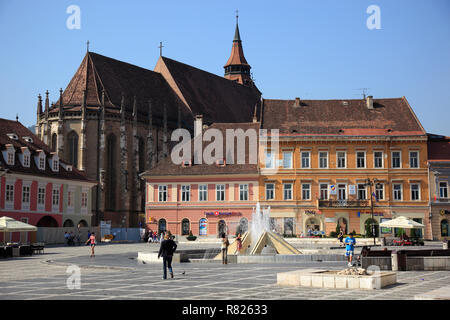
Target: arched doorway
{"type": "Point", "coordinates": [343, 224]}
{"type": "Point", "coordinates": [444, 228]}
{"type": "Point", "coordinates": [368, 228]}
{"type": "Point", "coordinates": [203, 227]}
{"type": "Point", "coordinates": [82, 224]}
{"type": "Point", "coordinates": [68, 223]}
{"type": "Point", "coordinates": [221, 228]}
{"type": "Point", "coordinates": [185, 227]}
{"type": "Point", "coordinates": [47, 222]}
{"type": "Point", "coordinates": [162, 225]}
{"type": "Point", "coordinates": [243, 226]}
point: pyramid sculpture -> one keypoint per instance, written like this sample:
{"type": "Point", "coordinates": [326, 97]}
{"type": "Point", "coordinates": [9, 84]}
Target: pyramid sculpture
{"type": "Point", "coordinates": [266, 238]}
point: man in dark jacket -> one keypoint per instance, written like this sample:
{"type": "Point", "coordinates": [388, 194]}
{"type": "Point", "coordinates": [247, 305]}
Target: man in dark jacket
{"type": "Point", "coordinates": [168, 247]}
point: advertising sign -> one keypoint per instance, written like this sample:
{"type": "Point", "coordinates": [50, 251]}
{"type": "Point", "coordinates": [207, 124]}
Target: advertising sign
{"type": "Point", "coordinates": [383, 229]}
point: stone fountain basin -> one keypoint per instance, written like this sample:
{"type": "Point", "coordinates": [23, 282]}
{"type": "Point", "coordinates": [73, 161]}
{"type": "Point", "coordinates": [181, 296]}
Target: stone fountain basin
{"type": "Point", "coordinates": [316, 278]}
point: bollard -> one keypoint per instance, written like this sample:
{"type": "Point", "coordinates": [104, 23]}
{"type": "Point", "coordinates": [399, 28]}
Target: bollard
{"type": "Point", "coordinates": [394, 261]}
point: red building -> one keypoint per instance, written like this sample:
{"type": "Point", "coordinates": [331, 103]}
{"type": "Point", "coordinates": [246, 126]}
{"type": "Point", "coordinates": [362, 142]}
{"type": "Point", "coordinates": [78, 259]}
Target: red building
{"type": "Point", "coordinates": [36, 186]}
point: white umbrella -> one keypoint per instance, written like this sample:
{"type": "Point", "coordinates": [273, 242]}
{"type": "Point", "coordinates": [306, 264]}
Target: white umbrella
{"type": "Point", "coordinates": [401, 222]}
{"type": "Point", "coordinates": [8, 224]}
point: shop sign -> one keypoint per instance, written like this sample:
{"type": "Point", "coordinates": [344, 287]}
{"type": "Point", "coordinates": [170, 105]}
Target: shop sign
{"type": "Point", "coordinates": [312, 212]}
{"type": "Point", "coordinates": [443, 211]}
{"type": "Point", "coordinates": [375, 213]}
{"type": "Point", "coordinates": [219, 213]}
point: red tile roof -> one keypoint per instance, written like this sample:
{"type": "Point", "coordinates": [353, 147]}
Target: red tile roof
{"type": "Point", "coordinates": [9, 126]}
{"type": "Point", "coordinates": [391, 117]}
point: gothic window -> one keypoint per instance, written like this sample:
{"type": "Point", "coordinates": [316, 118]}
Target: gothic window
{"type": "Point", "coordinates": [141, 155]}
{"type": "Point", "coordinates": [54, 142]}
{"type": "Point", "coordinates": [111, 167]}
{"type": "Point", "coordinates": [73, 148]}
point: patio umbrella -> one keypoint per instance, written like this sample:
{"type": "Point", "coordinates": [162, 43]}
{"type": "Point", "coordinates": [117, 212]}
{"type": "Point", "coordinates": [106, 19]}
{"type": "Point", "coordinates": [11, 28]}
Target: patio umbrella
{"type": "Point", "coordinates": [8, 224]}
{"type": "Point", "coordinates": [402, 222]}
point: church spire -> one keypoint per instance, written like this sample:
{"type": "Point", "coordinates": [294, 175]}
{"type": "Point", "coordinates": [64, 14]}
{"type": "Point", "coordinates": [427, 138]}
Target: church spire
{"type": "Point", "coordinates": [237, 69]}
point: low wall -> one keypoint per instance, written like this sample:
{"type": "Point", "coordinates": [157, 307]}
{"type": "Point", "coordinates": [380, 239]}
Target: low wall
{"type": "Point", "coordinates": [413, 263]}
{"type": "Point", "coordinates": [56, 235]}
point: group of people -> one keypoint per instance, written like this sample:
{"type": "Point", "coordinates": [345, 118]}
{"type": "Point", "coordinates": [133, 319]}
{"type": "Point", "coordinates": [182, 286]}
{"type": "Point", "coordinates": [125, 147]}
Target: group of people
{"type": "Point", "coordinates": [152, 236]}
{"type": "Point", "coordinates": [70, 238]}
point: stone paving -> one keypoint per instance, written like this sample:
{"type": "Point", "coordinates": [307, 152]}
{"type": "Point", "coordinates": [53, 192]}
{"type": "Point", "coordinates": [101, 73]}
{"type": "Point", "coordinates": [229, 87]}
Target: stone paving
{"type": "Point", "coordinates": [116, 274]}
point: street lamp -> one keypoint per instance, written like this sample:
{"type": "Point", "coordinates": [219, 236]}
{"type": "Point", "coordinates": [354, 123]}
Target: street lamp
{"type": "Point", "coordinates": [371, 183]}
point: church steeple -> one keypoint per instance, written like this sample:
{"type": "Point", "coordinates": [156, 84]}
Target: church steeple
{"type": "Point", "coordinates": [237, 68]}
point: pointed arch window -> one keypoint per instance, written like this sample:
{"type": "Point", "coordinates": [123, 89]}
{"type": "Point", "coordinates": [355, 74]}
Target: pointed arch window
{"type": "Point", "coordinates": [73, 148]}
{"type": "Point", "coordinates": [54, 142]}
{"type": "Point", "coordinates": [111, 168]}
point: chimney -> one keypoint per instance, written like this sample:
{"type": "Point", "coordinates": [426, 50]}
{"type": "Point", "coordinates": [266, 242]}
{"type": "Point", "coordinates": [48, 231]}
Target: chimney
{"type": "Point", "coordinates": [369, 102]}
{"type": "Point", "coordinates": [198, 125]}
{"type": "Point", "coordinates": [297, 102]}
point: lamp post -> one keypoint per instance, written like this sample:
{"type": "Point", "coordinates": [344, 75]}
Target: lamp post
{"type": "Point", "coordinates": [371, 183]}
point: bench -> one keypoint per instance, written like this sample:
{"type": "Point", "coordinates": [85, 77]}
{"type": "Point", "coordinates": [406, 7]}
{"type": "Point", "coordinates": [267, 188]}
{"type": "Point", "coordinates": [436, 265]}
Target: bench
{"type": "Point", "coordinates": [37, 248]}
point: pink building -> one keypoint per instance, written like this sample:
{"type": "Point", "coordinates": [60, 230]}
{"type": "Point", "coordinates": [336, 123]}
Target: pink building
{"type": "Point", "coordinates": [36, 187]}
{"type": "Point", "coordinates": [205, 199]}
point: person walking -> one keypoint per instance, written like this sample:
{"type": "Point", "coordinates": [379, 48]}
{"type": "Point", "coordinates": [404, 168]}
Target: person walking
{"type": "Point", "coordinates": [92, 242]}
{"type": "Point", "coordinates": [350, 247]}
{"type": "Point", "coordinates": [225, 244]}
{"type": "Point", "coordinates": [238, 244]}
{"type": "Point", "coordinates": [168, 247]}
{"type": "Point", "coordinates": [341, 237]}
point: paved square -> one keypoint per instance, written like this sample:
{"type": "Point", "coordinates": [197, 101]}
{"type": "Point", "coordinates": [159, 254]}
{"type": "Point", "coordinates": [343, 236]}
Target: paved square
{"type": "Point", "coordinates": [115, 274]}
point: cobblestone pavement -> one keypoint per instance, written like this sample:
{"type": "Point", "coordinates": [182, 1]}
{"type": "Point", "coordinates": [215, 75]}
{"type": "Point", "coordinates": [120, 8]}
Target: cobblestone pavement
{"type": "Point", "coordinates": [116, 274]}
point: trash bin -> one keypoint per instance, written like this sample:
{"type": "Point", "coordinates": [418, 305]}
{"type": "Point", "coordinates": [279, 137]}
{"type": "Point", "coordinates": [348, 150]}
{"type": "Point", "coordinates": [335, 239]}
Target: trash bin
{"type": "Point", "coordinates": [445, 244]}
{"type": "Point", "coordinates": [16, 252]}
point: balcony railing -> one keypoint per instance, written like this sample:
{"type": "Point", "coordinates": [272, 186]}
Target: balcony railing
{"type": "Point", "coordinates": [343, 203]}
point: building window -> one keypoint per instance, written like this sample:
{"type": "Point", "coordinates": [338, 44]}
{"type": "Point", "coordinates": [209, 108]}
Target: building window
{"type": "Point", "coordinates": [341, 155]}
{"type": "Point", "coordinates": [305, 159]}
{"type": "Point", "coordinates": [42, 162]}
{"type": "Point", "coordinates": [342, 192]}
{"type": "Point", "coordinates": [55, 165]}
{"type": "Point", "coordinates": [270, 191]}
{"type": "Point", "coordinates": [360, 159]}
{"type": "Point", "coordinates": [26, 195]}
{"type": "Point", "coordinates": [10, 159]}
{"type": "Point", "coordinates": [220, 192]}
{"type": "Point", "coordinates": [443, 190]}
{"type": "Point", "coordinates": [323, 191]}
{"type": "Point", "coordinates": [162, 193]}
{"type": "Point", "coordinates": [306, 191]}
{"type": "Point", "coordinates": [415, 191]}
{"type": "Point", "coordinates": [323, 159]}
{"type": "Point", "coordinates": [70, 198]}
{"type": "Point", "coordinates": [445, 228]}
{"type": "Point", "coordinates": [396, 159]}
{"type": "Point", "coordinates": [379, 191]}
{"type": "Point", "coordinates": [41, 196]}
{"type": "Point", "coordinates": [362, 192]}
{"type": "Point", "coordinates": [287, 160]}
{"type": "Point", "coordinates": [413, 159]}
{"type": "Point", "coordinates": [185, 193]}
{"type": "Point", "coordinates": [243, 192]}
{"type": "Point", "coordinates": [203, 192]}
{"type": "Point", "coordinates": [270, 159]}
{"type": "Point", "coordinates": [55, 197]}
{"type": "Point", "coordinates": [9, 195]}
{"type": "Point", "coordinates": [398, 191]}
{"type": "Point", "coordinates": [185, 227]}
{"type": "Point", "coordinates": [378, 159]}
{"type": "Point", "coordinates": [84, 199]}
{"type": "Point", "coordinates": [26, 160]}
{"type": "Point", "coordinates": [73, 148]}
{"type": "Point", "coordinates": [287, 191]}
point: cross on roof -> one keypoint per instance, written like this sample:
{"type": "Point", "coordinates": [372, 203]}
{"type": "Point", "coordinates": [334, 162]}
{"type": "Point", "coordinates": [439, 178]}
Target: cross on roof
{"type": "Point", "coordinates": [237, 16]}
{"type": "Point", "coordinates": [87, 46]}
{"type": "Point", "coordinates": [160, 48]}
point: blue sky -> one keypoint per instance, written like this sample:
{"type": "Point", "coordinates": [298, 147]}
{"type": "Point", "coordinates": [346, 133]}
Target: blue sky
{"type": "Point", "coordinates": [307, 49]}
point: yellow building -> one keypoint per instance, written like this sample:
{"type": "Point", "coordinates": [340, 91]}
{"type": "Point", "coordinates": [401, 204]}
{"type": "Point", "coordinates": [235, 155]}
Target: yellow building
{"type": "Point", "coordinates": [333, 155]}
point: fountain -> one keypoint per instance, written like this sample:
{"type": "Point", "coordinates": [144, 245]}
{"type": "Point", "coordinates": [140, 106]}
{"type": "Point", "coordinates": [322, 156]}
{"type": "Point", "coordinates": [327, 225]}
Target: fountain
{"type": "Point", "coordinates": [260, 240]}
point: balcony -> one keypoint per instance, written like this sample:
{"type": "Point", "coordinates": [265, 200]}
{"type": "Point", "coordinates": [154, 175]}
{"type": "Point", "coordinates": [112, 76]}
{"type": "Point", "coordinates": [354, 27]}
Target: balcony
{"type": "Point", "coordinates": [343, 203]}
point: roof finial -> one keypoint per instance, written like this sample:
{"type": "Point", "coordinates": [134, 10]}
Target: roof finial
{"type": "Point", "coordinates": [237, 16]}
{"type": "Point", "coordinates": [160, 49]}
{"type": "Point", "coordinates": [87, 46]}
{"type": "Point", "coordinates": [17, 117]}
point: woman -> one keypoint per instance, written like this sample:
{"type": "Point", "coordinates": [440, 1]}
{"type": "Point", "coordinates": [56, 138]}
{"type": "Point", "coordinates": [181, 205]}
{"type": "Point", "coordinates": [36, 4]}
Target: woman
{"type": "Point", "coordinates": [225, 244]}
{"type": "Point", "coordinates": [341, 237]}
{"type": "Point", "coordinates": [92, 242]}
{"type": "Point", "coordinates": [238, 244]}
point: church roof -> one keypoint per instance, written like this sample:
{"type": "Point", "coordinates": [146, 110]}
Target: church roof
{"type": "Point", "coordinates": [389, 117]}
{"type": "Point", "coordinates": [216, 98]}
{"type": "Point", "coordinates": [97, 73]}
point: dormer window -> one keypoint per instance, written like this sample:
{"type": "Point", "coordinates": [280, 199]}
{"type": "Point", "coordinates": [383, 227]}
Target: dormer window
{"type": "Point", "coordinates": [9, 155]}
{"type": "Point", "coordinates": [55, 165]}
{"type": "Point", "coordinates": [28, 139]}
{"type": "Point", "coordinates": [40, 160]}
{"type": "Point", "coordinates": [10, 159]}
{"type": "Point", "coordinates": [186, 163]}
{"type": "Point", "coordinates": [12, 136]}
{"type": "Point", "coordinates": [25, 157]}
